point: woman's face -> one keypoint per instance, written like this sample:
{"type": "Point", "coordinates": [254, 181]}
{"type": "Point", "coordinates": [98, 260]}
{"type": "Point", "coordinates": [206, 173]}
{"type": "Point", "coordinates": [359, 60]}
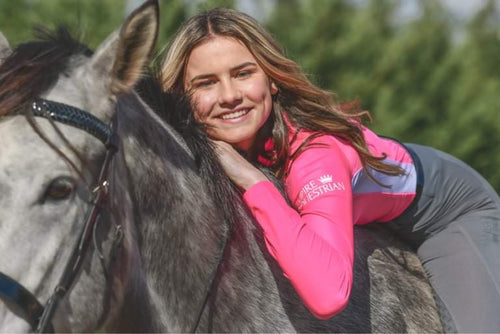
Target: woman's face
{"type": "Point", "coordinates": [231, 93]}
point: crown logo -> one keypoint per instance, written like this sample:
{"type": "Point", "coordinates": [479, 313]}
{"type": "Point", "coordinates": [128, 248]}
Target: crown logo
{"type": "Point", "coordinates": [325, 179]}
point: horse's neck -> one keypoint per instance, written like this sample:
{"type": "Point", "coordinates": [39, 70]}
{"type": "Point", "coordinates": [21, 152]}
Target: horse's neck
{"type": "Point", "coordinates": [182, 223]}
{"type": "Point", "coordinates": [179, 232]}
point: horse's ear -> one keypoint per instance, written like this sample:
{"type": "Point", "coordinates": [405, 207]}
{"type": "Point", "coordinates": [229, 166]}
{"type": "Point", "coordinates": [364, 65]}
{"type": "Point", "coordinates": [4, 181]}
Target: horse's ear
{"type": "Point", "coordinates": [4, 47]}
{"type": "Point", "coordinates": [125, 53]}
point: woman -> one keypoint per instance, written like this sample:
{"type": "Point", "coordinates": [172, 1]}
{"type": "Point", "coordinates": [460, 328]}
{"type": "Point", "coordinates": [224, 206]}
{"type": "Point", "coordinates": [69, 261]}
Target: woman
{"type": "Point", "coordinates": [259, 107]}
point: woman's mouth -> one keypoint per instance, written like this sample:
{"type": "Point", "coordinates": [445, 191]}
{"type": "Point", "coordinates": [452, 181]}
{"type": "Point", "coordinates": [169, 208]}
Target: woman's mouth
{"type": "Point", "coordinates": [235, 114]}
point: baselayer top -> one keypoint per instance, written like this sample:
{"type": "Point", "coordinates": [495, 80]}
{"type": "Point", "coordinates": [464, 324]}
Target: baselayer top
{"type": "Point", "coordinates": [330, 192]}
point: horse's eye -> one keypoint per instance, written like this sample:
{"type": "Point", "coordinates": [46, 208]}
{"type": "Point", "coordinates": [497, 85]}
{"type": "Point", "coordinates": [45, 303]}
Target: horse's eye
{"type": "Point", "coordinates": [61, 188]}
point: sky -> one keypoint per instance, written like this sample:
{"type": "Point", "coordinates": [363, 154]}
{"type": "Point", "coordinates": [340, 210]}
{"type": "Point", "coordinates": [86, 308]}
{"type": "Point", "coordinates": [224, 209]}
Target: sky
{"type": "Point", "coordinates": [460, 9]}
{"type": "Point", "coordinates": [464, 8]}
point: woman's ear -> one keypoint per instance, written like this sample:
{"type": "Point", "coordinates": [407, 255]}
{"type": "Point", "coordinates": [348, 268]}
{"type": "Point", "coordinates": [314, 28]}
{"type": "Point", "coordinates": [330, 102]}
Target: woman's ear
{"type": "Point", "coordinates": [274, 88]}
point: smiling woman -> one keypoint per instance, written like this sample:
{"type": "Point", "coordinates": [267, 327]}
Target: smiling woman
{"type": "Point", "coordinates": [233, 95]}
{"type": "Point", "coordinates": [259, 107]}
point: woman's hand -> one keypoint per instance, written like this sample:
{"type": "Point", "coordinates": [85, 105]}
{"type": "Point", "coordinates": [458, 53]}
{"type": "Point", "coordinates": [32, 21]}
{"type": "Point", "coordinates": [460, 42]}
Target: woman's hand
{"type": "Point", "coordinates": [239, 170]}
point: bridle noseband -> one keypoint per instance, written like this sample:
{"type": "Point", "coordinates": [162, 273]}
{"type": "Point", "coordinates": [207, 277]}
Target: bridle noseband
{"type": "Point", "coordinates": [15, 296]}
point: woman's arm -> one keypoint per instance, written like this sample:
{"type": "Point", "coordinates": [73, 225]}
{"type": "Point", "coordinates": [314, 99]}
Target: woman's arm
{"type": "Point", "coordinates": [313, 244]}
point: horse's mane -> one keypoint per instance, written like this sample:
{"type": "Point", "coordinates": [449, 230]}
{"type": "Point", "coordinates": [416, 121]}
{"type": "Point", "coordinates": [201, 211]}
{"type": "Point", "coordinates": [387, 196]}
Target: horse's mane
{"type": "Point", "coordinates": [176, 111]}
{"type": "Point", "coordinates": [33, 67]}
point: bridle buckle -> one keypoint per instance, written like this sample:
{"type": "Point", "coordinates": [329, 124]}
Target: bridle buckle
{"type": "Point", "coordinates": [103, 187]}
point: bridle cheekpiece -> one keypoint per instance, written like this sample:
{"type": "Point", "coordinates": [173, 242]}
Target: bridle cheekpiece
{"type": "Point", "coordinates": [19, 300]}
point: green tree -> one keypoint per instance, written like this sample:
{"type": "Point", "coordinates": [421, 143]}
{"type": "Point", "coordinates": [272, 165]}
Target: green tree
{"type": "Point", "coordinates": [408, 102]}
{"type": "Point", "coordinates": [472, 129]}
{"type": "Point", "coordinates": [91, 20]}
{"type": "Point", "coordinates": [210, 4]}
{"type": "Point", "coordinates": [360, 49]}
{"type": "Point", "coordinates": [172, 14]}
{"type": "Point", "coordinates": [310, 35]}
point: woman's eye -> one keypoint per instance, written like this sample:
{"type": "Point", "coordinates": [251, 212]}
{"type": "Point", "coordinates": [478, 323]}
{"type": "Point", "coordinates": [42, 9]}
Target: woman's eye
{"type": "Point", "coordinates": [204, 83]}
{"type": "Point", "coordinates": [59, 189]}
{"type": "Point", "coordinates": [243, 74]}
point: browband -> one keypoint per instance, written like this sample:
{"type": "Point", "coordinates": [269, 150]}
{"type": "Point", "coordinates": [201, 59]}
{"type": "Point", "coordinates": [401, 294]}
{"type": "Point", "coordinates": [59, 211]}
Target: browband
{"type": "Point", "coordinates": [72, 116]}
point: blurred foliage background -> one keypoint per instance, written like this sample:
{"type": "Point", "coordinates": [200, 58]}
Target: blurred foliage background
{"type": "Point", "coordinates": [424, 79]}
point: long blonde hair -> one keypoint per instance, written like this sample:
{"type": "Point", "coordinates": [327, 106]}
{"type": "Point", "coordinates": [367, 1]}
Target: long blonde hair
{"type": "Point", "coordinates": [306, 106]}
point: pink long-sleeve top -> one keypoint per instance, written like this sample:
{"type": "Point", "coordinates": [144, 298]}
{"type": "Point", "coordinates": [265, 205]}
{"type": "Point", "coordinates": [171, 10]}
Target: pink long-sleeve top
{"type": "Point", "coordinates": [330, 192]}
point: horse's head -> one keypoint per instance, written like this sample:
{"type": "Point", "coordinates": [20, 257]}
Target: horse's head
{"type": "Point", "coordinates": [49, 172]}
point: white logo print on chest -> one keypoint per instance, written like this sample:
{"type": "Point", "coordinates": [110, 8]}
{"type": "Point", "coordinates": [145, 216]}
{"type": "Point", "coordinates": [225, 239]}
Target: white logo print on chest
{"type": "Point", "coordinates": [315, 188]}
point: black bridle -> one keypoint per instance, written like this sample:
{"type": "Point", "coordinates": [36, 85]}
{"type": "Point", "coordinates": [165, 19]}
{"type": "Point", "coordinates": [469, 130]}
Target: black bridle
{"type": "Point", "coordinates": [22, 302]}
{"type": "Point", "coordinates": [19, 300]}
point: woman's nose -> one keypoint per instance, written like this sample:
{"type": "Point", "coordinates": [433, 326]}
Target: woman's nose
{"type": "Point", "coordinates": [230, 94]}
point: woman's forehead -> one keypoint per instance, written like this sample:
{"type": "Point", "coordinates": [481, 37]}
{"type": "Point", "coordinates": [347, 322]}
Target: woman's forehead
{"type": "Point", "coordinates": [216, 53]}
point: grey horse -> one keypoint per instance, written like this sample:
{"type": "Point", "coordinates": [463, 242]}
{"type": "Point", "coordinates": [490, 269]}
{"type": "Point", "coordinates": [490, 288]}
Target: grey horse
{"type": "Point", "coordinates": [172, 248]}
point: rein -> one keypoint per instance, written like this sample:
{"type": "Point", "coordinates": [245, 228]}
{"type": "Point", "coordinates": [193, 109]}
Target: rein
{"type": "Point", "coordinates": [211, 285]}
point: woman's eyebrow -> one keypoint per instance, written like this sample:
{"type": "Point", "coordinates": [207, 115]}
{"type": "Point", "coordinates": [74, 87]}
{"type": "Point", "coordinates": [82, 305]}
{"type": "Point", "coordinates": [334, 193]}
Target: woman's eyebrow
{"type": "Point", "coordinates": [236, 68]}
{"type": "Point", "coordinates": [201, 76]}
{"type": "Point", "coordinates": [239, 67]}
